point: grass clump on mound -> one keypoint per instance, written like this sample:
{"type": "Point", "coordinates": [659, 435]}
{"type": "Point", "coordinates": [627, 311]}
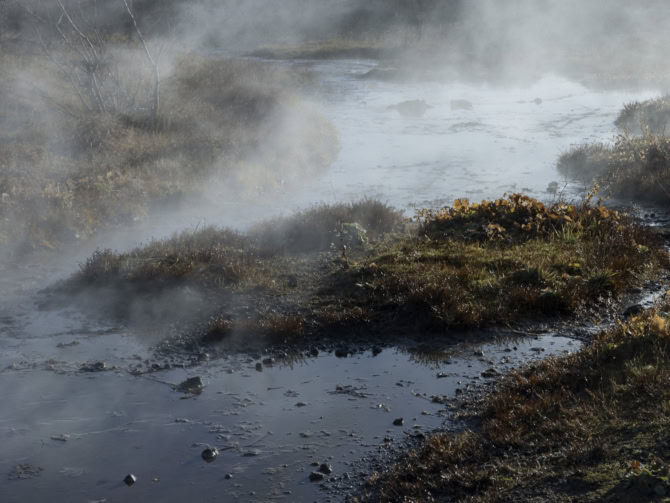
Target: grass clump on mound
{"type": "Point", "coordinates": [592, 424]}
{"type": "Point", "coordinates": [208, 257]}
{"type": "Point", "coordinates": [650, 115]}
{"type": "Point", "coordinates": [637, 168]}
{"type": "Point", "coordinates": [637, 165]}
{"type": "Point", "coordinates": [471, 265]}
{"type": "Point", "coordinates": [505, 260]}
{"type": "Point", "coordinates": [329, 225]}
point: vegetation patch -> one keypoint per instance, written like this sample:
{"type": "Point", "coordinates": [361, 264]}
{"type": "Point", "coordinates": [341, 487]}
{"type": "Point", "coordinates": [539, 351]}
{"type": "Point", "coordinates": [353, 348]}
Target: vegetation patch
{"type": "Point", "coordinates": [356, 267]}
{"type": "Point", "coordinates": [637, 165]}
{"type": "Point", "coordinates": [590, 426]}
{"type": "Point", "coordinates": [650, 115]}
{"type": "Point", "coordinates": [68, 170]}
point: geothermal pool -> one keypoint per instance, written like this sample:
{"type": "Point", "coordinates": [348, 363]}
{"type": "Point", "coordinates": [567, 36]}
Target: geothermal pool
{"type": "Point", "coordinates": [75, 433]}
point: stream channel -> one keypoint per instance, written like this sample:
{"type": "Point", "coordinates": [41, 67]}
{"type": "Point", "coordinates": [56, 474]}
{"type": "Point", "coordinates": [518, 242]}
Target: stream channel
{"type": "Point", "coordinates": [72, 431]}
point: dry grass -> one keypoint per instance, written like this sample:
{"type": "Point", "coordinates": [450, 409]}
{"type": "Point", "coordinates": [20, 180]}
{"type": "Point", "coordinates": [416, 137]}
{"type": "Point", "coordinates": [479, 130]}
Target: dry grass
{"type": "Point", "coordinates": [635, 168]}
{"type": "Point", "coordinates": [650, 115]}
{"type": "Point", "coordinates": [592, 424]}
{"type": "Point", "coordinates": [501, 261]}
{"type": "Point", "coordinates": [324, 226]}
{"type": "Point", "coordinates": [208, 257]}
{"type": "Point", "coordinates": [530, 260]}
{"type": "Point", "coordinates": [66, 173]}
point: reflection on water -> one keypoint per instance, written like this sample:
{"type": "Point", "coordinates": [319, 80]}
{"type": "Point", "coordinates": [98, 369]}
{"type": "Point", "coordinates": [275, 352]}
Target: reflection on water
{"type": "Point", "coordinates": [88, 430]}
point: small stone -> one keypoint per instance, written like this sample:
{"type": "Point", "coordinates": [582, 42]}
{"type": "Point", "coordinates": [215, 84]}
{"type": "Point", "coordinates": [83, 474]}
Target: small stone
{"type": "Point", "coordinates": [227, 476]}
{"type": "Point", "coordinates": [259, 367]}
{"type": "Point", "coordinates": [376, 350]}
{"type": "Point", "coordinates": [490, 373]}
{"type": "Point", "coordinates": [341, 352]}
{"type": "Point", "coordinates": [398, 422]}
{"type": "Point", "coordinates": [442, 375]}
{"type": "Point", "coordinates": [633, 310]}
{"type": "Point", "coordinates": [301, 404]}
{"type": "Point", "coordinates": [210, 454]}
{"type": "Point", "coordinates": [314, 352]}
{"type": "Point", "coordinates": [479, 352]}
{"type": "Point", "coordinates": [316, 476]}
{"type": "Point", "coordinates": [130, 479]}
{"type": "Point", "coordinates": [269, 362]}
{"type": "Point", "coordinates": [326, 469]}
{"type": "Point", "coordinates": [191, 385]}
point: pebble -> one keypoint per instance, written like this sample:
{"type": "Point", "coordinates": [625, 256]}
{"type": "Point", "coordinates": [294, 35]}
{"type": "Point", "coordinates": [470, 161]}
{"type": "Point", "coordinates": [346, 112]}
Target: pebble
{"type": "Point", "coordinates": [130, 479]}
{"type": "Point", "coordinates": [316, 476]}
{"type": "Point", "coordinates": [398, 422]}
{"type": "Point", "coordinates": [326, 469]}
{"type": "Point", "coordinates": [210, 454]}
{"type": "Point", "coordinates": [259, 367]}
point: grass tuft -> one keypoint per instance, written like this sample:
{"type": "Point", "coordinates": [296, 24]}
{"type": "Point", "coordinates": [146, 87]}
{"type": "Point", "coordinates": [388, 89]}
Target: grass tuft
{"type": "Point", "coordinates": [593, 422]}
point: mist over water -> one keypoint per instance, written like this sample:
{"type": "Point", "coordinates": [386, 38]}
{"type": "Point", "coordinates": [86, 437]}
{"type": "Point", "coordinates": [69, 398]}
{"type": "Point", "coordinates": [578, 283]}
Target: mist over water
{"type": "Point", "coordinates": [503, 87]}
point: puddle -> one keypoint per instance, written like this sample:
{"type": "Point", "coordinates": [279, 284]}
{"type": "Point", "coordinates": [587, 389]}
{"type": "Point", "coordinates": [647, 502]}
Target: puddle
{"type": "Point", "coordinates": [88, 430]}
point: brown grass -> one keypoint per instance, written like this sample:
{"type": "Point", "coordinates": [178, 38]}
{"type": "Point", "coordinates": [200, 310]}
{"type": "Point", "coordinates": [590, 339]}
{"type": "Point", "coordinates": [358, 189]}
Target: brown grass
{"type": "Point", "coordinates": [67, 172]}
{"type": "Point", "coordinates": [651, 116]}
{"type": "Point", "coordinates": [530, 260]}
{"type": "Point", "coordinates": [501, 261]}
{"type": "Point", "coordinates": [636, 168]}
{"type": "Point", "coordinates": [596, 419]}
{"type": "Point", "coordinates": [329, 225]}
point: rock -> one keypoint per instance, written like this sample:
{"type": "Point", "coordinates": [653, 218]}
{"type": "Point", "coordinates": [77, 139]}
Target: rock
{"type": "Point", "coordinates": [376, 350]}
{"type": "Point", "coordinates": [326, 469]}
{"type": "Point", "coordinates": [398, 421]}
{"type": "Point", "coordinates": [130, 479]}
{"type": "Point", "coordinates": [227, 476]}
{"type": "Point", "coordinates": [24, 471]}
{"type": "Point", "coordinates": [314, 352]}
{"type": "Point", "coordinates": [269, 362]}
{"type": "Point", "coordinates": [537, 101]}
{"type": "Point", "coordinates": [552, 188]}
{"type": "Point", "coordinates": [256, 356]}
{"type": "Point", "coordinates": [203, 357]}
{"type": "Point", "coordinates": [316, 476]}
{"type": "Point", "coordinates": [341, 352]}
{"type": "Point", "coordinates": [210, 454]}
{"type": "Point", "coordinates": [479, 352]}
{"type": "Point", "coordinates": [411, 108]}
{"type": "Point", "coordinates": [301, 404]}
{"type": "Point", "coordinates": [191, 385]}
{"type": "Point", "coordinates": [353, 235]}
{"type": "Point", "coordinates": [259, 367]}
{"type": "Point", "coordinates": [633, 310]}
{"type": "Point", "coordinates": [460, 105]}
{"type": "Point", "coordinates": [490, 373]}
{"type": "Point", "coordinates": [441, 375]}
{"type": "Point", "coordinates": [100, 366]}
